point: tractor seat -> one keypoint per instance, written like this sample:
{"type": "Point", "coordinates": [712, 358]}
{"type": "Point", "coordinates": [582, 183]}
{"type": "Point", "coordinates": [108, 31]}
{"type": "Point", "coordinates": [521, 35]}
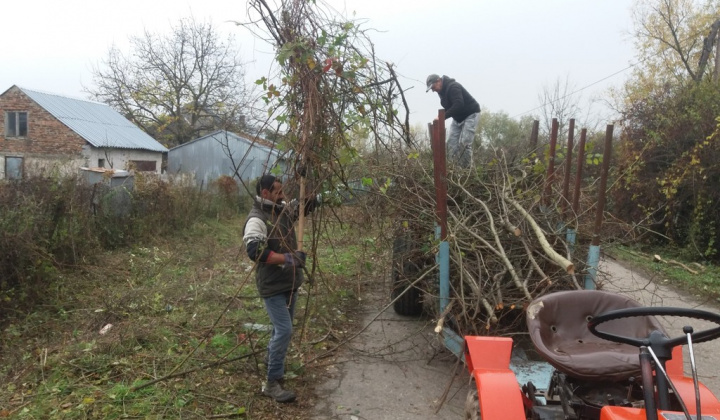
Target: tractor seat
{"type": "Point", "coordinates": [558, 328]}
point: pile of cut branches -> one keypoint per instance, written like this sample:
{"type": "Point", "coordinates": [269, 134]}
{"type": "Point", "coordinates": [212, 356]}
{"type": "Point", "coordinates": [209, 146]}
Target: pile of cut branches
{"type": "Point", "coordinates": [333, 98]}
{"type": "Point", "coordinates": [507, 244]}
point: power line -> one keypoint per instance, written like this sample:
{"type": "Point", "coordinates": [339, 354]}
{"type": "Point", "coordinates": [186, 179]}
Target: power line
{"type": "Point", "coordinates": [578, 91]}
{"type": "Point", "coordinates": [691, 36]}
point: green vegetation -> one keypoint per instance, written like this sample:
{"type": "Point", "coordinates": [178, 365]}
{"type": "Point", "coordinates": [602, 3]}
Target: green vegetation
{"type": "Point", "coordinates": [674, 268]}
{"type": "Point", "coordinates": [667, 157]}
{"type": "Point", "coordinates": [89, 339]}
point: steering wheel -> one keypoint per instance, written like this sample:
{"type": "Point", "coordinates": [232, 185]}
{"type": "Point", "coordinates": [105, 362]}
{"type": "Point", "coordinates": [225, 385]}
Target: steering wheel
{"type": "Point", "coordinates": [656, 339]}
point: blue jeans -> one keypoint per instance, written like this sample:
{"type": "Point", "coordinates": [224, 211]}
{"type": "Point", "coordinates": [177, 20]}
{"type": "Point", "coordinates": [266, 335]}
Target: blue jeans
{"type": "Point", "coordinates": [281, 309]}
{"type": "Point", "coordinates": [460, 141]}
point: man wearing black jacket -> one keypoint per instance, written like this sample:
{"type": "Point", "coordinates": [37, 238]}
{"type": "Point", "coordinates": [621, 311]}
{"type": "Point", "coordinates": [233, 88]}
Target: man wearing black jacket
{"type": "Point", "coordinates": [464, 110]}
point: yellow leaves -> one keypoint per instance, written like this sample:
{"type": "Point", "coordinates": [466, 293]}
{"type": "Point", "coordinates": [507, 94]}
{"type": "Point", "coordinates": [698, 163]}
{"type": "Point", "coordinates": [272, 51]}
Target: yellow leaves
{"type": "Point", "coordinates": [272, 91]}
{"type": "Point", "coordinates": [385, 186]}
{"type": "Point", "coordinates": [311, 63]}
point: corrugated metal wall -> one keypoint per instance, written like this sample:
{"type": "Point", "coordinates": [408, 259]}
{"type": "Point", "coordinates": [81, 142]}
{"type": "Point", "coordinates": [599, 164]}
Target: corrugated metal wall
{"type": "Point", "coordinates": [207, 157]}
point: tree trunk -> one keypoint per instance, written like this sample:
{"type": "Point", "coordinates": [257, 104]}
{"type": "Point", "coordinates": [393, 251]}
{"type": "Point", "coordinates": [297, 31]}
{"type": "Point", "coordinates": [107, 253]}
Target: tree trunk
{"type": "Point", "coordinates": [717, 59]}
{"type": "Point", "coordinates": [708, 44]}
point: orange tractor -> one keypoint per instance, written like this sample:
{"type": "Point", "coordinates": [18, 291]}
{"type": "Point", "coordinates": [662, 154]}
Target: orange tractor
{"type": "Point", "coordinates": [610, 359]}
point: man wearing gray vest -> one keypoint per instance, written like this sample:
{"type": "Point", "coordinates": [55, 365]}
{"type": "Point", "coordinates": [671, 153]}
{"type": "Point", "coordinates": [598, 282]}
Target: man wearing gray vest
{"type": "Point", "coordinates": [270, 241]}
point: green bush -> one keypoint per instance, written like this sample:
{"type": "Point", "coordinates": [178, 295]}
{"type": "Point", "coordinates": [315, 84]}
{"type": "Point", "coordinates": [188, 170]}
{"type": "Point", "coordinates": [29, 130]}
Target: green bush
{"type": "Point", "coordinates": [50, 223]}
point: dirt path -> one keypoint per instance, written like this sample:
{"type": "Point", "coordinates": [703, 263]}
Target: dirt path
{"type": "Point", "coordinates": [398, 369]}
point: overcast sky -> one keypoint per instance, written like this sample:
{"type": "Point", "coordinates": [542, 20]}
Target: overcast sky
{"type": "Point", "coordinates": [503, 51]}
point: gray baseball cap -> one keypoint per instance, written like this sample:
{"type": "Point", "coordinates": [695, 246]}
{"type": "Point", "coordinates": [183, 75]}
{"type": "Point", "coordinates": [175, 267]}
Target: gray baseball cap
{"type": "Point", "coordinates": [430, 80]}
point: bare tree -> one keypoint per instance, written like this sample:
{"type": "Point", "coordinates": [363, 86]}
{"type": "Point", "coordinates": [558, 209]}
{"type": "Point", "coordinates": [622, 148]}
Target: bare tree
{"type": "Point", "coordinates": [177, 86]}
{"type": "Point", "coordinates": [560, 101]}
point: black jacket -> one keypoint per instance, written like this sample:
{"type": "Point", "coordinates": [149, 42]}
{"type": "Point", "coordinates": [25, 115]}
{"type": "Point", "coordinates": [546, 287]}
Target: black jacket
{"type": "Point", "coordinates": [458, 103]}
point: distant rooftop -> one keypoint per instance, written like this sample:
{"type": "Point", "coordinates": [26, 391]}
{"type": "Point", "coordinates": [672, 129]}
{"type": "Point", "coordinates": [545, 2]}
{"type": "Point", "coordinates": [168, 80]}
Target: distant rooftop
{"type": "Point", "coordinates": [95, 122]}
{"type": "Point", "coordinates": [223, 135]}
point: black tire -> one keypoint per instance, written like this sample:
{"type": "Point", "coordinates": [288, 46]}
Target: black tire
{"type": "Point", "coordinates": [472, 403]}
{"type": "Point", "coordinates": [405, 271]}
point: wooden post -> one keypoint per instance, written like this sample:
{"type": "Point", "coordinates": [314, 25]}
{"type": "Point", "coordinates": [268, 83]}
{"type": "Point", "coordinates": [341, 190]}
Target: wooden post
{"type": "Point", "coordinates": [578, 173]}
{"type": "Point", "coordinates": [594, 250]}
{"type": "Point", "coordinates": [603, 185]}
{"type": "Point", "coordinates": [301, 219]}
{"type": "Point", "coordinates": [551, 163]}
{"type": "Point", "coordinates": [568, 168]}
{"type": "Point", "coordinates": [439, 172]}
{"type": "Point", "coordinates": [534, 135]}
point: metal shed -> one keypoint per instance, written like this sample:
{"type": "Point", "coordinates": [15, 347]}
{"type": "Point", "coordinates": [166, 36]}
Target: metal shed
{"type": "Point", "coordinates": [208, 158]}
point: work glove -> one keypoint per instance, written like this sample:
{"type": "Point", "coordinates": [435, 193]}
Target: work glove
{"type": "Point", "coordinates": [294, 260]}
{"type": "Point", "coordinates": [311, 204]}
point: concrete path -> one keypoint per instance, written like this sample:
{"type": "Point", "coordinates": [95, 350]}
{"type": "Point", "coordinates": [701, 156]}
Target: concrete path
{"type": "Point", "coordinates": [395, 370]}
{"type": "Point", "coordinates": [656, 292]}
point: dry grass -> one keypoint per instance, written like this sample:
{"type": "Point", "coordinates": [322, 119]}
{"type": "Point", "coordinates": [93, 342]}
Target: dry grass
{"type": "Point", "coordinates": [178, 305]}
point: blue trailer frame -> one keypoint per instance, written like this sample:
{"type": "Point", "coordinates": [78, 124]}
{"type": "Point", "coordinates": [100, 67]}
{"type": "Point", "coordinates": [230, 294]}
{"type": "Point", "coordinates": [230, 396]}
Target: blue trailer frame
{"type": "Point", "coordinates": [525, 369]}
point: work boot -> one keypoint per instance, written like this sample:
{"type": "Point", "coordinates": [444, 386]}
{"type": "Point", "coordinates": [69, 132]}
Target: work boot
{"type": "Point", "coordinates": [274, 390]}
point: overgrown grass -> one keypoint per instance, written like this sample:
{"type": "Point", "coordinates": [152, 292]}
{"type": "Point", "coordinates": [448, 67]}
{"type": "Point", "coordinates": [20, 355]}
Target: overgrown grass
{"type": "Point", "coordinates": [48, 223]}
{"type": "Point", "coordinates": [699, 279]}
{"type": "Point", "coordinates": [182, 307]}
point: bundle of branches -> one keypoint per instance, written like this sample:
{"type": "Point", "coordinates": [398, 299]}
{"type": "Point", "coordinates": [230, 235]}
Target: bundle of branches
{"type": "Point", "coordinates": [507, 243]}
{"type": "Point", "coordinates": [331, 95]}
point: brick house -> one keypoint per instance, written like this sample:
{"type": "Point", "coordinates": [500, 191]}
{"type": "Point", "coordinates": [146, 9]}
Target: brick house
{"type": "Point", "coordinates": [43, 132]}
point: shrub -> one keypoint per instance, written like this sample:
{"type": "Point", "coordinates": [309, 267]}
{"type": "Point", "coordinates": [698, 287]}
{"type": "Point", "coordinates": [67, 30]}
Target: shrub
{"type": "Point", "coordinates": [50, 223]}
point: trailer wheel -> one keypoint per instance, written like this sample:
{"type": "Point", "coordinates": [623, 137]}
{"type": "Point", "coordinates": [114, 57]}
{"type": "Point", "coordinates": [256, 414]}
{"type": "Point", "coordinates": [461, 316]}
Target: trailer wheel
{"type": "Point", "coordinates": [472, 403]}
{"type": "Point", "coordinates": [405, 271]}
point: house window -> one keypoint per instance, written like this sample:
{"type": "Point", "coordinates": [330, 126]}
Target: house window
{"type": "Point", "coordinates": [143, 165]}
{"type": "Point", "coordinates": [101, 163]}
{"type": "Point", "coordinates": [16, 124]}
{"type": "Point", "coordinates": [13, 167]}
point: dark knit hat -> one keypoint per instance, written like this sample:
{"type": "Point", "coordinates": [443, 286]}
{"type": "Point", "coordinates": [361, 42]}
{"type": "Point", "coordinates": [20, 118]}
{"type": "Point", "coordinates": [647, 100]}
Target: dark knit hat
{"type": "Point", "coordinates": [265, 183]}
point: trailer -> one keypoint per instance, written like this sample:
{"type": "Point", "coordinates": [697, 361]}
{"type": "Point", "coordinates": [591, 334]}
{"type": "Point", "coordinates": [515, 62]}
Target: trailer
{"type": "Point", "coordinates": [589, 354]}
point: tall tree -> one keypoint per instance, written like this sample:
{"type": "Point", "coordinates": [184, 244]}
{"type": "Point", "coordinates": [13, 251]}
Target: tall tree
{"type": "Point", "coordinates": [498, 130]}
{"type": "Point", "coordinates": [176, 86]}
{"type": "Point", "coordinates": [670, 37]}
{"type": "Point", "coordinates": [670, 106]}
